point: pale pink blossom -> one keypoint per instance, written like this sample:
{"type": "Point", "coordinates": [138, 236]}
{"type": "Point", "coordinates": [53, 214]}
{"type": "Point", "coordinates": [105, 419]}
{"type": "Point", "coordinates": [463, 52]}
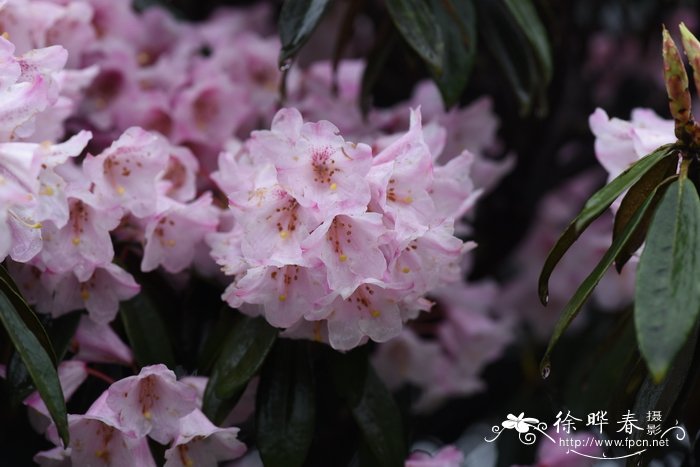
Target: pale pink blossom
{"type": "Point", "coordinates": [448, 456]}
{"type": "Point", "coordinates": [200, 442]}
{"type": "Point", "coordinates": [151, 403]}
{"type": "Point", "coordinates": [98, 343]}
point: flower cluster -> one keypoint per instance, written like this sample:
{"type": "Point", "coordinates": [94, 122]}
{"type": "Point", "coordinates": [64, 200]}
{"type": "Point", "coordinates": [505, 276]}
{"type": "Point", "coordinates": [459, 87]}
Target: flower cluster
{"type": "Point", "coordinates": [331, 238]}
{"type": "Point", "coordinates": [116, 428]}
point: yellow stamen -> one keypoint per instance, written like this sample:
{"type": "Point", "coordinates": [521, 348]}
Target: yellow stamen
{"type": "Point", "coordinates": [375, 313]}
{"type": "Point", "coordinates": [6, 35]}
{"type": "Point", "coordinates": [84, 294]}
{"type": "Point", "coordinates": [282, 297]}
{"type": "Point", "coordinates": [170, 243]}
{"type": "Point", "coordinates": [406, 270]}
{"type": "Point", "coordinates": [47, 191]}
{"type": "Point", "coordinates": [147, 415]}
{"type": "Point", "coordinates": [317, 331]}
{"type": "Point", "coordinates": [76, 241]}
{"type": "Point", "coordinates": [334, 186]}
{"type": "Point", "coordinates": [408, 200]}
{"type": "Point", "coordinates": [120, 190]}
{"type": "Point", "coordinates": [343, 258]}
{"type": "Point", "coordinates": [284, 234]}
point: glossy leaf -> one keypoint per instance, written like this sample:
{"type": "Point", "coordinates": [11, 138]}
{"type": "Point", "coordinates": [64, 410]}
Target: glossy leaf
{"type": "Point", "coordinates": [586, 288]}
{"type": "Point", "coordinates": [146, 332]}
{"type": "Point", "coordinates": [215, 340]}
{"type": "Point", "coordinates": [594, 207]}
{"type": "Point", "coordinates": [376, 61]}
{"type": "Point", "coordinates": [30, 319]}
{"type": "Point", "coordinates": [457, 20]}
{"type": "Point", "coordinates": [504, 40]}
{"type": "Point", "coordinates": [372, 406]}
{"type": "Point", "coordinates": [662, 397]}
{"type": "Point", "coordinates": [38, 364]}
{"type": "Point", "coordinates": [242, 356]}
{"type": "Point", "coordinates": [421, 30]}
{"type": "Point", "coordinates": [667, 292]}
{"type": "Point", "coordinates": [285, 410]}
{"type": "Point", "coordinates": [298, 19]}
{"type": "Point", "coordinates": [215, 408]}
{"type": "Point", "coordinates": [662, 173]}
{"type": "Point", "coordinates": [525, 14]}
{"type": "Point", "coordinates": [60, 331]}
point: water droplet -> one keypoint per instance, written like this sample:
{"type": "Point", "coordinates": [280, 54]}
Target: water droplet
{"type": "Point", "coordinates": [545, 369]}
{"type": "Point", "coordinates": [286, 64]}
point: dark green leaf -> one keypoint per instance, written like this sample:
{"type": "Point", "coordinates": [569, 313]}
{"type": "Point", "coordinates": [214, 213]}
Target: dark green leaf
{"type": "Point", "coordinates": [376, 62]}
{"type": "Point", "coordinates": [667, 292]}
{"type": "Point", "coordinates": [662, 397]}
{"type": "Point", "coordinates": [527, 18]}
{"type": "Point", "coordinates": [298, 19]}
{"type": "Point", "coordinates": [60, 331]}
{"type": "Point", "coordinates": [594, 207]}
{"type": "Point", "coordinates": [215, 408]}
{"type": "Point", "coordinates": [586, 288]}
{"type": "Point", "coordinates": [242, 356]}
{"type": "Point", "coordinates": [662, 172]}
{"type": "Point", "coordinates": [372, 407]}
{"type": "Point", "coordinates": [285, 407]}
{"type": "Point", "coordinates": [505, 41]}
{"type": "Point", "coordinates": [146, 332]}
{"type": "Point", "coordinates": [13, 294]}
{"type": "Point", "coordinates": [38, 364]}
{"type": "Point", "coordinates": [419, 27]}
{"type": "Point", "coordinates": [457, 20]}
{"type": "Point", "coordinates": [215, 340]}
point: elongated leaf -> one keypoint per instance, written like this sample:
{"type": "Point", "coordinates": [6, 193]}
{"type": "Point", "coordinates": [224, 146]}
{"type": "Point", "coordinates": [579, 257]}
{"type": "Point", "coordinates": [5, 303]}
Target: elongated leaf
{"type": "Point", "coordinates": [298, 19]}
{"type": "Point", "coordinates": [586, 288]}
{"type": "Point", "coordinates": [215, 408]}
{"type": "Point", "coordinates": [457, 20]}
{"type": "Point", "coordinates": [667, 292]}
{"type": "Point", "coordinates": [661, 173]}
{"type": "Point", "coordinates": [594, 207]}
{"type": "Point", "coordinates": [215, 340]}
{"type": "Point", "coordinates": [502, 36]}
{"type": "Point", "coordinates": [376, 61]}
{"type": "Point", "coordinates": [527, 18]}
{"type": "Point", "coordinates": [372, 407]}
{"type": "Point", "coordinates": [146, 332]}
{"type": "Point", "coordinates": [38, 363]}
{"type": "Point", "coordinates": [246, 348]}
{"type": "Point", "coordinates": [285, 406]}
{"type": "Point", "coordinates": [60, 331]}
{"type": "Point", "coordinates": [419, 27]}
{"type": "Point", "coordinates": [12, 292]}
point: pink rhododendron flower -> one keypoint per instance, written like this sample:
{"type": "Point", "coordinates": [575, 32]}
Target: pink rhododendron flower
{"type": "Point", "coordinates": [464, 342]}
{"type": "Point", "coordinates": [326, 232]}
{"type": "Point", "coordinates": [199, 442]}
{"type": "Point", "coordinates": [98, 343]}
{"type": "Point", "coordinates": [621, 143]}
{"type": "Point", "coordinates": [151, 403]}
{"type": "Point", "coordinates": [449, 456]}
{"type": "Point", "coordinates": [551, 454]}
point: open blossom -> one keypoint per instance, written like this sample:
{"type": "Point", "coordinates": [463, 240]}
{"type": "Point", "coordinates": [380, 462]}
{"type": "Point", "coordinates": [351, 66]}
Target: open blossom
{"type": "Point", "coordinates": [328, 233]}
{"type": "Point", "coordinates": [151, 402]}
{"type": "Point", "coordinates": [199, 442]}
{"type": "Point", "coordinates": [621, 143]}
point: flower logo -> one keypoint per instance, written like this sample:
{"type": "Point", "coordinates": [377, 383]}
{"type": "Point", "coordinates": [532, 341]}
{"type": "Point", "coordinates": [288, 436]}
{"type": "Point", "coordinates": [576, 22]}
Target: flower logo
{"type": "Point", "coordinates": [520, 423]}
